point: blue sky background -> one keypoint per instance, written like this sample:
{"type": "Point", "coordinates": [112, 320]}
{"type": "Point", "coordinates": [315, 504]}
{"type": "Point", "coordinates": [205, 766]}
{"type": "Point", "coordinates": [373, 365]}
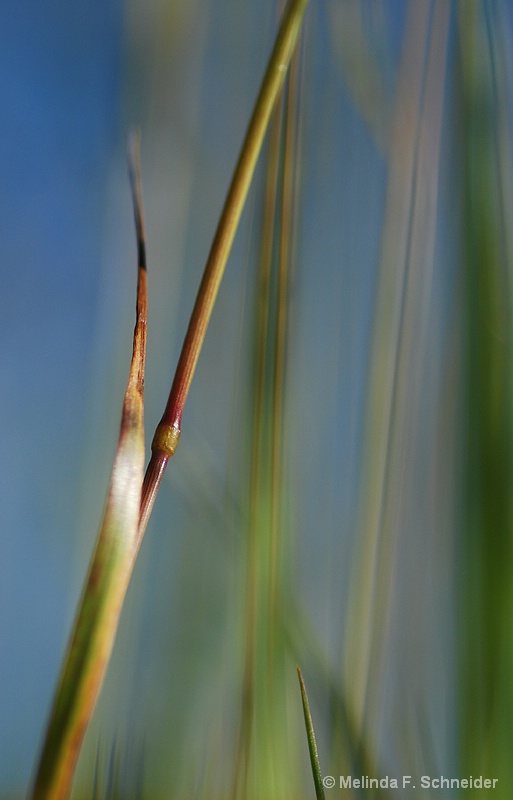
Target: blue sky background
{"type": "Point", "coordinates": [61, 76]}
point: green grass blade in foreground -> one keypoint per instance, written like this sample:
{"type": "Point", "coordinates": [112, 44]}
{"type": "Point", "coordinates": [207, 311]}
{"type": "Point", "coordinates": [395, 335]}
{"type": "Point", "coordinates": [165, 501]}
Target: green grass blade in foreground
{"type": "Point", "coordinates": [168, 429]}
{"type": "Point", "coordinates": [100, 607]}
{"type": "Point", "coordinates": [312, 744]}
{"type": "Point", "coordinates": [485, 601]}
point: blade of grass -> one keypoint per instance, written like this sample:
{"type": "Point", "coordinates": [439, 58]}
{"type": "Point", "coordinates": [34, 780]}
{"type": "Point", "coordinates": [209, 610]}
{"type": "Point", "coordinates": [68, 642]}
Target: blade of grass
{"type": "Point", "coordinates": [347, 749]}
{"type": "Point", "coordinates": [363, 599]}
{"type": "Point", "coordinates": [362, 70]}
{"type": "Point", "coordinates": [97, 774]}
{"type": "Point", "coordinates": [168, 430]}
{"type": "Point", "coordinates": [241, 773]}
{"type": "Point", "coordinates": [265, 744]}
{"type": "Point", "coordinates": [312, 744]}
{"type": "Point", "coordinates": [486, 597]}
{"type": "Point", "coordinates": [399, 346]}
{"type": "Point", "coordinates": [100, 607]}
{"type": "Point", "coordinates": [287, 211]}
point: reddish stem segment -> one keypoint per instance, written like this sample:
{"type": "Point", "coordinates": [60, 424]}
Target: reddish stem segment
{"type": "Point", "coordinates": [168, 430]}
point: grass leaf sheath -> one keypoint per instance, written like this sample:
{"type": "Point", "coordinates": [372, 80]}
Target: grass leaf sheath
{"type": "Point", "coordinates": [102, 599]}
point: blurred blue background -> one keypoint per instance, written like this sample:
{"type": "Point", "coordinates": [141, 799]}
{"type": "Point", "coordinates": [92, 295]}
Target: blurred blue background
{"type": "Point", "coordinates": [62, 69]}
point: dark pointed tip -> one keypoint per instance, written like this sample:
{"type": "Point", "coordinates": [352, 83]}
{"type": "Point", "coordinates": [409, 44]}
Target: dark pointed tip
{"type": "Point", "coordinates": [141, 254]}
{"type": "Point", "coordinates": [134, 168]}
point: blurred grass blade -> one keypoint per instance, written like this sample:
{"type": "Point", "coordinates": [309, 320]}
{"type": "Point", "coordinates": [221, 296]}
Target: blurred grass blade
{"type": "Point", "coordinates": [396, 377]}
{"type": "Point", "coordinates": [100, 607]}
{"type": "Point", "coordinates": [242, 760]}
{"type": "Point", "coordinates": [360, 64]}
{"type": "Point", "coordinates": [312, 744]}
{"type": "Point", "coordinates": [97, 779]}
{"type": "Point", "coordinates": [486, 658]}
{"type": "Point", "coordinates": [265, 745]}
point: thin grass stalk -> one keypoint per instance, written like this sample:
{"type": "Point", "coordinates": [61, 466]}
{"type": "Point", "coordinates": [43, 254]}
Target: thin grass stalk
{"type": "Point", "coordinates": [102, 599]}
{"type": "Point", "coordinates": [168, 430]}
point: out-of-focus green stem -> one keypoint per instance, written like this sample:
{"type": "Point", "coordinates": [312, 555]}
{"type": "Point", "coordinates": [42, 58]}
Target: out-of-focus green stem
{"type": "Point", "coordinates": [241, 775]}
{"type": "Point", "coordinates": [486, 658]}
{"type": "Point", "coordinates": [168, 430]}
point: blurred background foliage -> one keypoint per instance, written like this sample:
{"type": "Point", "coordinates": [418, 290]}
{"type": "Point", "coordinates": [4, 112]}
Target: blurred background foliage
{"type": "Point", "coordinates": [341, 496]}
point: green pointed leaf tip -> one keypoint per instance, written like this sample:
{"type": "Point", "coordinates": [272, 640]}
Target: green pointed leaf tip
{"type": "Point", "coordinates": [312, 744]}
